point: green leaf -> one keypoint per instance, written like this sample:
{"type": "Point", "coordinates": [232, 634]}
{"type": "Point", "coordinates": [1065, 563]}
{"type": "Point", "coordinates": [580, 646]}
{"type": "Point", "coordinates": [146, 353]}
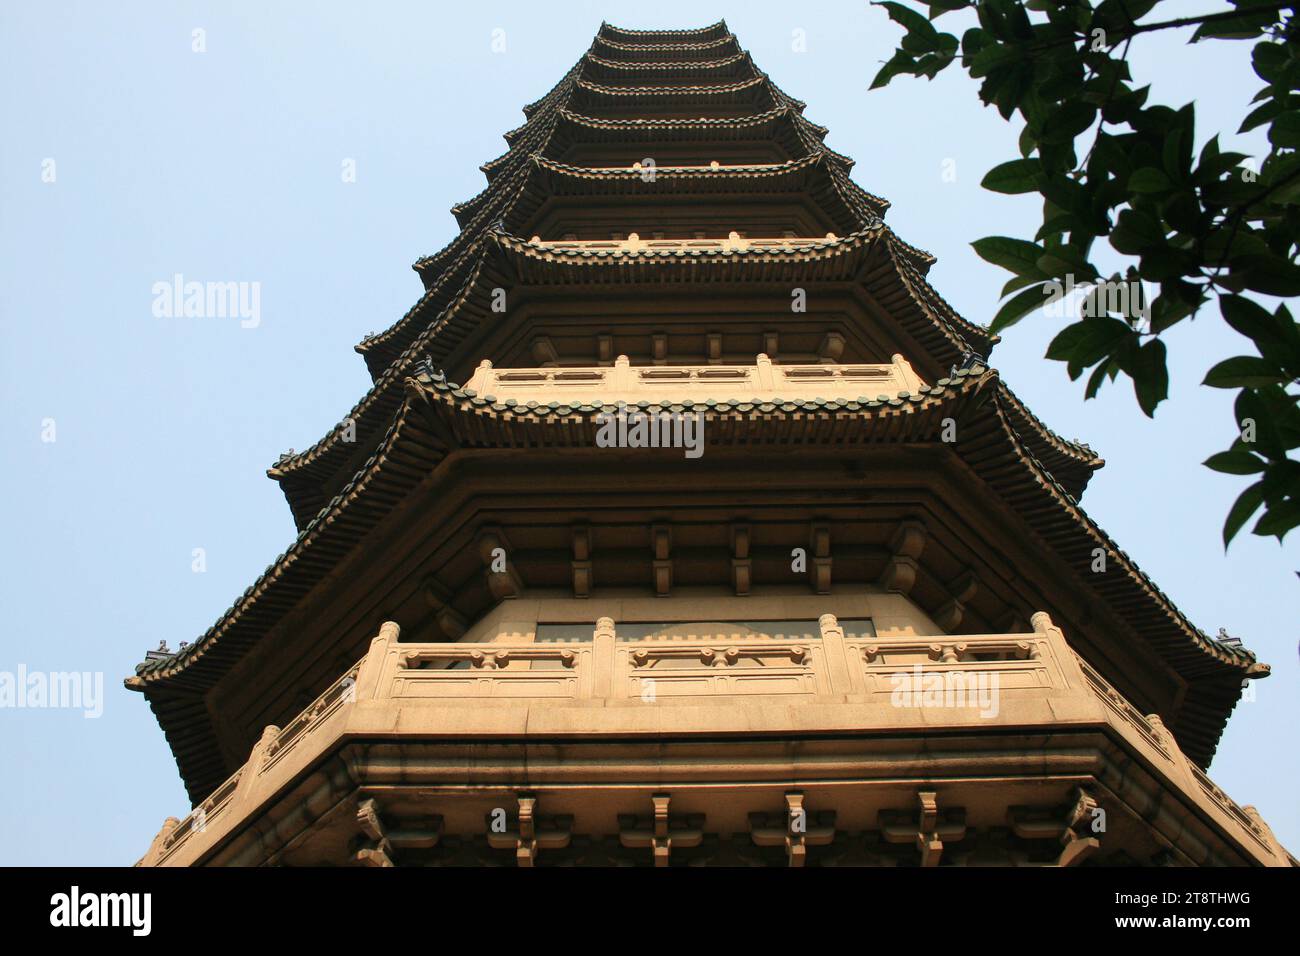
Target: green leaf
{"type": "Point", "coordinates": [1066, 341]}
{"type": "Point", "coordinates": [1150, 376]}
{"type": "Point", "coordinates": [1285, 131]}
{"type": "Point", "coordinates": [1243, 371]}
{"type": "Point", "coordinates": [1014, 255]}
{"type": "Point", "coordinates": [1214, 165]}
{"type": "Point", "coordinates": [1244, 243]}
{"type": "Point", "coordinates": [899, 64]}
{"type": "Point", "coordinates": [1268, 58]}
{"type": "Point", "coordinates": [1136, 232]}
{"type": "Point", "coordinates": [1245, 27]}
{"type": "Point", "coordinates": [994, 56]}
{"type": "Point", "coordinates": [1103, 371]}
{"type": "Point", "coordinates": [1252, 320]}
{"type": "Point", "coordinates": [1016, 283]}
{"type": "Point", "coordinates": [1017, 307]}
{"type": "Point", "coordinates": [1247, 504]}
{"type": "Point", "coordinates": [921, 36]}
{"type": "Point", "coordinates": [1088, 341]}
{"type": "Point", "coordinates": [1260, 115]}
{"type": "Point", "coordinates": [1016, 176]}
{"type": "Point", "coordinates": [1235, 463]}
{"type": "Point", "coordinates": [1165, 262]}
{"type": "Point", "coordinates": [972, 41]}
{"type": "Point", "coordinates": [1168, 310]}
{"type": "Point", "coordinates": [1278, 520]}
{"type": "Point", "coordinates": [1068, 122]}
{"type": "Point", "coordinates": [1271, 275]}
{"type": "Point", "coordinates": [1149, 179]}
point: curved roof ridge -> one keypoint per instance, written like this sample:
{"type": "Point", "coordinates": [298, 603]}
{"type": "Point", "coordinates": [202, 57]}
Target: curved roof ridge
{"type": "Point", "coordinates": [720, 25]}
{"type": "Point", "coordinates": [543, 117]}
{"type": "Point", "coordinates": [520, 152]}
{"type": "Point", "coordinates": [670, 90]}
{"type": "Point", "coordinates": [960, 329]}
{"type": "Point", "coordinates": [1078, 449]}
{"type": "Point", "coordinates": [664, 47]}
{"type": "Point", "coordinates": [290, 463]}
{"type": "Point", "coordinates": [553, 93]}
{"type": "Point", "coordinates": [777, 91]}
{"type": "Point", "coordinates": [453, 253]}
{"type": "Point", "coordinates": [1233, 656]}
{"type": "Point", "coordinates": [170, 666]}
{"type": "Point", "coordinates": [701, 122]}
{"type": "Point", "coordinates": [538, 160]}
{"type": "Point", "coordinates": [851, 194]}
{"type": "Point", "coordinates": [632, 66]}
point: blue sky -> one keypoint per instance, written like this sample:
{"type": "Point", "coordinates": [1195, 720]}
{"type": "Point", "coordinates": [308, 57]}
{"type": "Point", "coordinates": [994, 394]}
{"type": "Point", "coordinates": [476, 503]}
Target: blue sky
{"type": "Point", "coordinates": [226, 165]}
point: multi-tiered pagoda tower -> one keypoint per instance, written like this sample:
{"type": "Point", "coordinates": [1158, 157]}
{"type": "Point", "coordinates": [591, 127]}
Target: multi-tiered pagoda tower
{"type": "Point", "coordinates": [863, 619]}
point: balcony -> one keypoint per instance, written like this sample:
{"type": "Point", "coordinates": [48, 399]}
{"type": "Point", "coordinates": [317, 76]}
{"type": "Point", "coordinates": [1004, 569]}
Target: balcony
{"type": "Point", "coordinates": [763, 381]}
{"type": "Point", "coordinates": [652, 695]}
{"type": "Point", "coordinates": [733, 243]}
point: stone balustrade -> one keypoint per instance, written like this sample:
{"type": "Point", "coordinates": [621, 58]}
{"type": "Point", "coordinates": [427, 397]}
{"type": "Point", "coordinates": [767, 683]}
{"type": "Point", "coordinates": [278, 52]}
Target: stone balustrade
{"type": "Point", "coordinates": [762, 381]}
{"type": "Point", "coordinates": [733, 243]}
{"type": "Point", "coordinates": [822, 683]}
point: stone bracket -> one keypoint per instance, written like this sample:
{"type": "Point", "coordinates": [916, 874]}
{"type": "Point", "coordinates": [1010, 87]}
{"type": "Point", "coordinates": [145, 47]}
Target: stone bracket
{"type": "Point", "coordinates": [372, 848]}
{"type": "Point", "coordinates": [1071, 827]}
{"type": "Point", "coordinates": [905, 548]}
{"type": "Point", "coordinates": [832, 347]}
{"type": "Point", "coordinates": [544, 353]}
{"type": "Point", "coordinates": [661, 833]}
{"type": "Point", "coordinates": [819, 558]}
{"type": "Point", "coordinates": [926, 826]}
{"type": "Point", "coordinates": [581, 564]}
{"type": "Point", "coordinates": [661, 543]}
{"type": "Point", "coordinates": [378, 840]}
{"type": "Point", "coordinates": [795, 832]}
{"type": "Point", "coordinates": [532, 833]}
{"type": "Point", "coordinates": [950, 614]}
{"type": "Point", "coordinates": [505, 583]}
{"type": "Point", "coordinates": [742, 565]}
{"type": "Point", "coordinates": [450, 621]}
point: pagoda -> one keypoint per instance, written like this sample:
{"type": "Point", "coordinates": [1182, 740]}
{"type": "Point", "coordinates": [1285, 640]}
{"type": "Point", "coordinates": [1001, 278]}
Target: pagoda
{"type": "Point", "coordinates": [685, 523]}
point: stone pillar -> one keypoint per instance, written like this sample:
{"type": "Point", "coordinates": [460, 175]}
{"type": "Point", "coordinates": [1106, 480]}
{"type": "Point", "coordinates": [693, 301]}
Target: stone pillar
{"type": "Point", "coordinates": [603, 659]}
{"type": "Point", "coordinates": [379, 662]}
{"type": "Point", "coordinates": [836, 656]}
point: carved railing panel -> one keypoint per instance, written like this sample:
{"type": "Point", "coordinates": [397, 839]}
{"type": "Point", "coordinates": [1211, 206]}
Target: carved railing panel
{"type": "Point", "coordinates": [201, 817]}
{"type": "Point", "coordinates": [321, 709]}
{"type": "Point", "coordinates": [461, 671]}
{"type": "Point", "coordinates": [655, 669]}
{"type": "Point", "coordinates": [1230, 806]}
{"type": "Point", "coordinates": [1016, 663]}
{"type": "Point", "coordinates": [764, 381]}
{"type": "Point", "coordinates": [1119, 705]}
